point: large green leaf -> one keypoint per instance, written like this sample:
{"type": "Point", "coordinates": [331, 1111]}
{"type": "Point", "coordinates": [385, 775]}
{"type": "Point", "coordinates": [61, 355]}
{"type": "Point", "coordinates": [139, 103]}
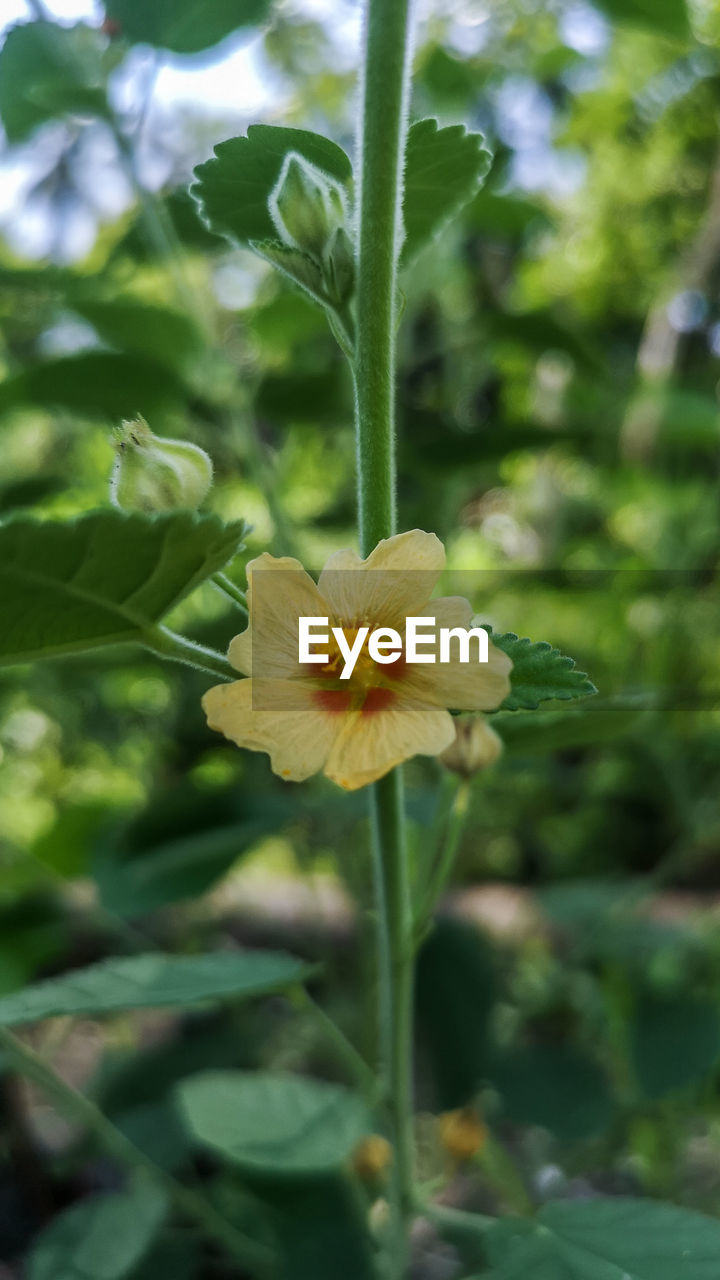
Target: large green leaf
{"type": "Point", "coordinates": [274, 1124]}
{"type": "Point", "coordinates": [233, 188]}
{"type": "Point", "coordinates": [675, 1041]}
{"type": "Point", "coordinates": [157, 333]}
{"type": "Point", "coordinates": [601, 1239]}
{"type": "Point", "coordinates": [97, 383]}
{"type": "Point", "coordinates": [665, 17]}
{"type": "Point", "coordinates": [101, 1238]}
{"type": "Point", "coordinates": [321, 1229]}
{"type": "Point", "coordinates": [153, 981]}
{"type": "Point", "coordinates": [444, 169]}
{"type": "Point", "coordinates": [46, 71]}
{"type": "Point", "coordinates": [539, 673]}
{"type": "Point", "coordinates": [102, 579]}
{"type": "Point", "coordinates": [184, 26]}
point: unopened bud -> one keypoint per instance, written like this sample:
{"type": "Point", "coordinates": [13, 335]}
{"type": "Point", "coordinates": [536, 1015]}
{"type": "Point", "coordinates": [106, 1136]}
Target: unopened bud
{"type": "Point", "coordinates": [152, 473]}
{"type": "Point", "coordinates": [306, 206]}
{"type": "Point", "coordinates": [372, 1159]}
{"type": "Point", "coordinates": [475, 747]}
{"type": "Point", "coordinates": [462, 1133]}
{"type": "Point", "coordinates": [340, 266]}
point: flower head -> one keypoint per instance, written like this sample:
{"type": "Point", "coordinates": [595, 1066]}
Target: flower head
{"type": "Point", "coordinates": [355, 730]}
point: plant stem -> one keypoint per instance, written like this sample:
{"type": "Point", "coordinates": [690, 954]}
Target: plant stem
{"type": "Point", "coordinates": [386, 76]}
{"type": "Point", "coordinates": [345, 1051]}
{"type": "Point", "coordinates": [80, 1110]}
{"type": "Point", "coordinates": [232, 591]}
{"type": "Point", "coordinates": [445, 861]}
{"type": "Point", "coordinates": [168, 644]}
{"type": "Point", "coordinates": [382, 154]}
{"type": "Point", "coordinates": [395, 994]}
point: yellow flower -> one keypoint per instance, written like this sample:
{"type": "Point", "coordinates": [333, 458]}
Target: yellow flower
{"type": "Point", "coordinates": [356, 730]}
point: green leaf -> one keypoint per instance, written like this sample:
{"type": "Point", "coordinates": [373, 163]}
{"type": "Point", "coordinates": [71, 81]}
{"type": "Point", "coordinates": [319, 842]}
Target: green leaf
{"type": "Point", "coordinates": [184, 26]}
{"type": "Point", "coordinates": [444, 169]}
{"type": "Point", "coordinates": [674, 1040]}
{"type": "Point", "coordinates": [269, 1123]}
{"type": "Point", "coordinates": [320, 1229]}
{"type": "Point", "coordinates": [665, 17]}
{"type": "Point", "coordinates": [555, 1086]}
{"type": "Point", "coordinates": [102, 579]}
{"type": "Point", "coordinates": [96, 383]}
{"type": "Point", "coordinates": [606, 1239]}
{"type": "Point", "coordinates": [102, 1237]}
{"type": "Point", "coordinates": [46, 71]}
{"type": "Point", "coordinates": [153, 981]}
{"type": "Point", "coordinates": [561, 730]}
{"type": "Point", "coordinates": [539, 673]}
{"type": "Point", "coordinates": [233, 188]}
{"type": "Point", "coordinates": [157, 333]}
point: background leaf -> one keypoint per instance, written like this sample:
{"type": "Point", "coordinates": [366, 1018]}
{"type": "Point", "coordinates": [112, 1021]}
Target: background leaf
{"type": "Point", "coordinates": [233, 188]}
{"type": "Point", "coordinates": [102, 1237]}
{"type": "Point", "coordinates": [274, 1124]}
{"type": "Point", "coordinates": [666, 17]}
{"type": "Point", "coordinates": [156, 333]}
{"type": "Point", "coordinates": [46, 70]}
{"type": "Point", "coordinates": [184, 26]}
{"type": "Point", "coordinates": [539, 673]}
{"type": "Point", "coordinates": [444, 169]}
{"type": "Point", "coordinates": [675, 1041]}
{"type": "Point", "coordinates": [616, 1239]}
{"type": "Point", "coordinates": [153, 982]}
{"type": "Point", "coordinates": [104, 383]}
{"type": "Point", "coordinates": [102, 579]}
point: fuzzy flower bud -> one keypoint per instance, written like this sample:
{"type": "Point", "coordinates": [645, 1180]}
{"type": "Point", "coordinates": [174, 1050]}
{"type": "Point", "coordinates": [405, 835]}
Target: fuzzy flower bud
{"type": "Point", "coordinates": [152, 473]}
{"type": "Point", "coordinates": [306, 206]}
{"type": "Point", "coordinates": [475, 747]}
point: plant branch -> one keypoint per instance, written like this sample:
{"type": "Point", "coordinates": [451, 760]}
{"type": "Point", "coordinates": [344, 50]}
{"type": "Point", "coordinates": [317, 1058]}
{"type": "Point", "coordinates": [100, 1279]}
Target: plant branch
{"type": "Point", "coordinates": [168, 644]}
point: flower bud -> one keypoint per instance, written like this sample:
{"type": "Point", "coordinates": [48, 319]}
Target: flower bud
{"type": "Point", "coordinates": [475, 747]}
{"type": "Point", "coordinates": [462, 1133]}
{"type": "Point", "coordinates": [306, 206]}
{"type": "Point", "coordinates": [155, 474]}
{"type": "Point", "coordinates": [372, 1158]}
{"type": "Point", "coordinates": [340, 266]}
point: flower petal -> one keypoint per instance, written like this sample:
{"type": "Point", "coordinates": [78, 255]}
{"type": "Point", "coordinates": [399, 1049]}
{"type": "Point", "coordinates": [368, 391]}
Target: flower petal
{"type": "Point", "coordinates": [275, 606]}
{"type": "Point", "coordinates": [449, 611]}
{"type": "Point", "coordinates": [369, 745]}
{"type": "Point", "coordinates": [395, 580]}
{"type": "Point", "coordinates": [464, 686]}
{"type": "Point", "coordinates": [277, 716]}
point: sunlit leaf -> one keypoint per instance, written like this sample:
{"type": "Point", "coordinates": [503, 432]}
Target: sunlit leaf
{"type": "Point", "coordinates": [47, 71]}
{"type": "Point", "coordinates": [233, 188]}
{"type": "Point", "coordinates": [103, 1237]}
{"type": "Point", "coordinates": [606, 1239]}
{"type": "Point", "coordinates": [539, 673]}
{"type": "Point", "coordinates": [271, 1123]}
{"type": "Point", "coordinates": [444, 169]}
{"type": "Point", "coordinates": [101, 579]}
{"type": "Point", "coordinates": [153, 981]}
{"type": "Point", "coordinates": [184, 26]}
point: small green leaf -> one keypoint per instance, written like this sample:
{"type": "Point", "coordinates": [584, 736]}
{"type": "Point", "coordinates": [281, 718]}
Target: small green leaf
{"type": "Point", "coordinates": [444, 169]}
{"type": "Point", "coordinates": [539, 673]}
{"type": "Point", "coordinates": [233, 189]}
{"type": "Point", "coordinates": [606, 1239]}
{"type": "Point", "coordinates": [274, 1124]}
{"type": "Point", "coordinates": [184, 26]}
{"type": "Point", "coordinates": [153, 981]}
{"type": "Point", "coordinates": [556, 1086]}
{"type": "Point", "coordinates": [47, 71]}
{"type": "Point", "coordinates": [102, 1237]}
{"type": "Point", "coordinates": [102, 579]}
{"type": "Point", "coordinates": [664, 17]}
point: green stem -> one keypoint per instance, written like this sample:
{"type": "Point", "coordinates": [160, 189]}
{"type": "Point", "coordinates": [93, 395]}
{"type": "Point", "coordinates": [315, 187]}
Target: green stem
{"type": "Point", "coordinates": [232, 591]}
{"type": "Point", "coordinates": [80, 1110]}
{"type": "Point", "coordinates": [386, 76]}
{"type": "Point", "coordinates": [346, 1052]}
{"type": "Point", "coordinates": [445, 862]}
{"type": "Point", "coordinates": [382, 153]}
{"type": "Point", "coordinates": [395, 995]}
{"type": "Point", "coordinates": [168, 644]}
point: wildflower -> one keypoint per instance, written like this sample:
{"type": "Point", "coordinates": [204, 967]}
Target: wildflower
{"type": "Point", "coordinates": [476, 746]}
{"type": "Point", "coordinates": [356, 730]}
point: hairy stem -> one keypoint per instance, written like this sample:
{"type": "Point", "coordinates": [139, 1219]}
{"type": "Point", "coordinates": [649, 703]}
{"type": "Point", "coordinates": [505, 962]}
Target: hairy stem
{"type": "Point", "coordinates": [80, 1110]}
{"type": "Point", "coordinates": [168, 644]}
